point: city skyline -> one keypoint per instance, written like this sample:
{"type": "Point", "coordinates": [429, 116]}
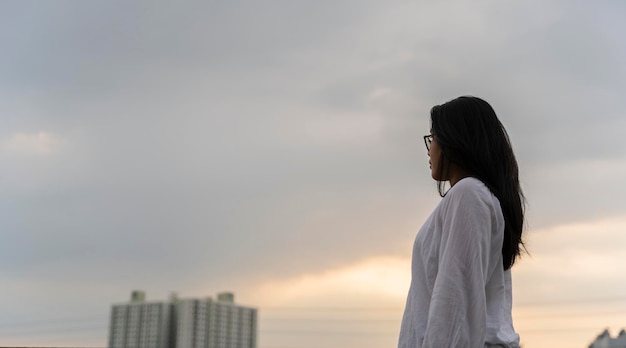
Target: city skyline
{"type": "Point", "coordinates": [275, 150]}
{"type": "Point", "coordinates": [182, 323]}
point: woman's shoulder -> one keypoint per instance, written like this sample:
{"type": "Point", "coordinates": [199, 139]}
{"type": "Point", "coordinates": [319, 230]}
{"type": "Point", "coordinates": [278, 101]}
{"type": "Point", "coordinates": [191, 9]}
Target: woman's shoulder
{"type": "Point", "coordinates": [467, 185]}
{"type": "Point", "coordinates": [470, 190]}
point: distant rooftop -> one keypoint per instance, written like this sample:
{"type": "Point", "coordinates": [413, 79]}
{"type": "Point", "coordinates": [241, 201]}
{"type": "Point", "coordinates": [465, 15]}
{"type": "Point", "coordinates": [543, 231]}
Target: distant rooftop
{"type": "Point", "coordinates": [139, 296]}
{"type": "Point", "coordinates": [604, 340]}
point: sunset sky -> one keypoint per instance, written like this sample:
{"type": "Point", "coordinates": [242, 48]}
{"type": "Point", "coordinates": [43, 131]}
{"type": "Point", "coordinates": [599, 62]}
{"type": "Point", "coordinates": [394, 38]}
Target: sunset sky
{"type": "Point", "coordinates": [274, 149]}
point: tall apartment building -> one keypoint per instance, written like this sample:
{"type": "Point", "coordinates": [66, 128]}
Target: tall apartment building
{"type": "Point", "coordinates": [604, 340]}
{"type": "Point", "coordinates": [140, 324]}
{"type": "Point", "coordinates": [215, 324]}
{"type": "Point", "coordinates": [184, 323]}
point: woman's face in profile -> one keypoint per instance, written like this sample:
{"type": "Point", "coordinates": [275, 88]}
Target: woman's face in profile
{"type": "Point", "coordinates": [434, 154]}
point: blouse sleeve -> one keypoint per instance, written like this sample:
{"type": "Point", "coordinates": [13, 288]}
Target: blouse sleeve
{"type": "Point", "coordinates": [457, 313]}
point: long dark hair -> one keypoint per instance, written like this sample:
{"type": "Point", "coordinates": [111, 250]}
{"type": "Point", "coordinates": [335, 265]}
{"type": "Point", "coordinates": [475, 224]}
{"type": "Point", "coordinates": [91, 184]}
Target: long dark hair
{"type": "Point", "coordinates": [471, 136]}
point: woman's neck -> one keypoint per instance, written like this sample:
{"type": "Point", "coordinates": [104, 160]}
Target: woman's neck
{"type": "Point", "coordinates": [456, 174]}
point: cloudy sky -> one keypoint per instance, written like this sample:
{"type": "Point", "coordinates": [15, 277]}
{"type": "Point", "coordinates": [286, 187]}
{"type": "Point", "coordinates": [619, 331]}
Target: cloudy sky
{"type": "Point", "coordinates": [275, 149]}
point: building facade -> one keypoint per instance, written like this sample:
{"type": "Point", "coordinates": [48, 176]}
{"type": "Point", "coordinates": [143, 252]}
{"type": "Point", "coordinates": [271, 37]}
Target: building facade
{"type": "Point", "coordinates": [604, 340]}
{"type": "Point", "coordinates": [140, 324]}
{"type": "Point", "coordinates": [214, 324]}
{"type": "Point", "coordinates": [184, 323]}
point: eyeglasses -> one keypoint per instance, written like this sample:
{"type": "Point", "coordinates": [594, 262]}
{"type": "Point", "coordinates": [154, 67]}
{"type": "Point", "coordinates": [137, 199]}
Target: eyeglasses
{"type": "Point", "coordinates": [428, 139]}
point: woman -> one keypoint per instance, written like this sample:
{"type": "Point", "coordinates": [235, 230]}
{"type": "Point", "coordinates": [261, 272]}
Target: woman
{"type": "Point", "coordinates": [460, 294]}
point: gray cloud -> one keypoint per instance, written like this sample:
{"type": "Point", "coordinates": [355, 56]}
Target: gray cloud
{"type": "Point", "coordinates": [235, 142]}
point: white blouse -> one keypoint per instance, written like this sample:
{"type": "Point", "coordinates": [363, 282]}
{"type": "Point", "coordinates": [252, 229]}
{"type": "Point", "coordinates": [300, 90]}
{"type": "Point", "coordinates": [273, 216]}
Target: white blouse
{"type": "Point", "coordinates": [460, 295]}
